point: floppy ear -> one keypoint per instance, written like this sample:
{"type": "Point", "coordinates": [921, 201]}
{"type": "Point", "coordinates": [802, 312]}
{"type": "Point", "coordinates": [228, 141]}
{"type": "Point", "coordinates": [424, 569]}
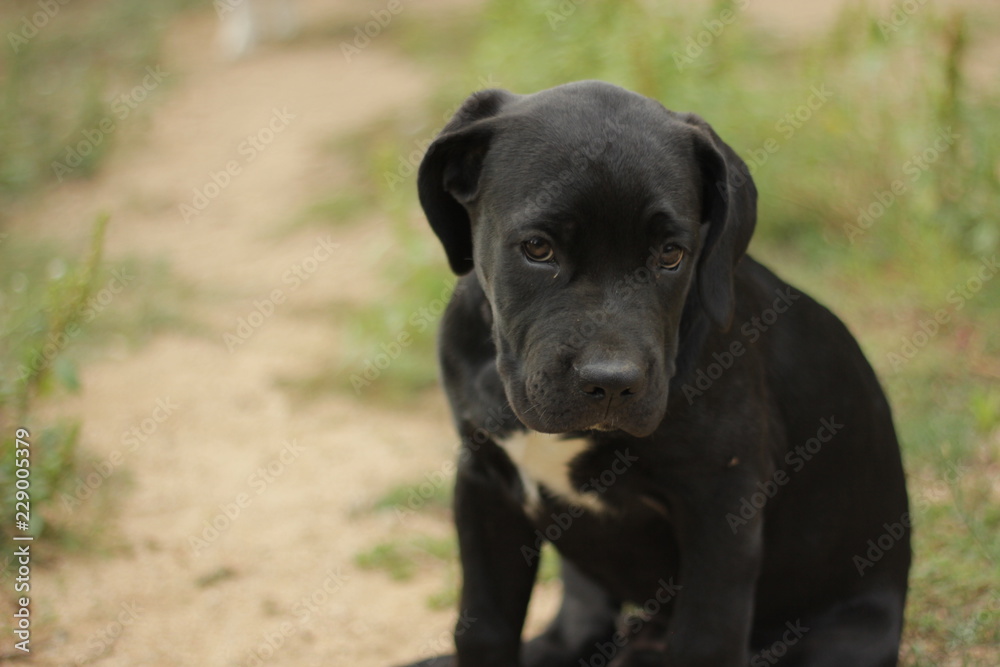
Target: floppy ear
{"type": "Point", "coordinates": [729, 207]}
{"type": "Point", "coordinates": [448, 179]}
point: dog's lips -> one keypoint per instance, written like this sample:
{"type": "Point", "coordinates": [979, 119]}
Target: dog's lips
{"type": "Point", "coordinates": [638, 432]}
{"type": "Point", "coordinates": [603, 426]}
{"type": "Point", "coordinates": [626, 426]}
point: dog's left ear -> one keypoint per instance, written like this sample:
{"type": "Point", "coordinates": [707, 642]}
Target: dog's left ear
{"type": "Point", "coordinates": [729, 208]}
{"type": "Point", "coordinates": [448, 178]}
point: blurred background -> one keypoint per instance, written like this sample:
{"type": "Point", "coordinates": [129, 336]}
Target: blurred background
{"type": "Point", "coordinates": [218, 294]}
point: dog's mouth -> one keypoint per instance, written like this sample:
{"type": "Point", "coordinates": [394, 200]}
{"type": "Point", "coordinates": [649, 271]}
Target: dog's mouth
{"type": "Point", "coordinates": [636, 431]}
{"type": "Point", "coordinates": [638, 421]}
{"type": "Point", "coordinates": [603, 426]}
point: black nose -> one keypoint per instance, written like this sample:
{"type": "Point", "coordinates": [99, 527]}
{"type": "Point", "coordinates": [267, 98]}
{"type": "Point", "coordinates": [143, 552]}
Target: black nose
{"type": "Point", "coordinates": [612, 378]}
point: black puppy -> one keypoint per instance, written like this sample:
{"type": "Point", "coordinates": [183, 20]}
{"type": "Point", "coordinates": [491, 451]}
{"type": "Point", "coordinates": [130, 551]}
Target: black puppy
{"type": "Point", "coordinates": [697, 438]}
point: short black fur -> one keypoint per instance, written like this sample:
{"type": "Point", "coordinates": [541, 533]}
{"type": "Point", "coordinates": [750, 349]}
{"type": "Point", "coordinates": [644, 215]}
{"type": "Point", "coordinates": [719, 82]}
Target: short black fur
{"type": "Point", "coordinates": [754, 453]}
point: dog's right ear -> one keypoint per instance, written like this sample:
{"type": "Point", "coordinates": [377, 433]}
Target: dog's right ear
{"type": "Point", "coordinates": [448, 179]}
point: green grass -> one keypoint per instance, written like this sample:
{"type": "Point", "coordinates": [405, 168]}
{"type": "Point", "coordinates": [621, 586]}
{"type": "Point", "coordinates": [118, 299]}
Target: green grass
{"type": "Point", "coordinates": [59, 307]}
{"type": "Point", "coordinates": [836, 163]}
{"type": "Point", "coordinates": [59, 304]}
{"type": "Point", "coordinates": [401, 559]}
{"type": "Point", "coordinates": [429, 494]}
{"type": "Point", "coordinates": [42, 315]}
{"type": "Point", "coordinates": [891, 94]}
{"type": "Point", "coordinates": [339, 208]}
{"type": "Point", "coordinates": [389, 351]}
{"type": "Point", "coordinates": [59, 83]}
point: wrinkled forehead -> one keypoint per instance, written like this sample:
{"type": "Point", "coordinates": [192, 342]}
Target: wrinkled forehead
{"type": "Point", "coordinates": [562, 159]}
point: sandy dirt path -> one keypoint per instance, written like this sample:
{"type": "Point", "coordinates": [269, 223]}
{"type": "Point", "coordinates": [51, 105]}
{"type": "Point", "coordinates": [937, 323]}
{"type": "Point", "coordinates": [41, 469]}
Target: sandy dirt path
{"type": "Point", "coordinates": [224, 455]}
{"type": "Point", "coordinates": [276, 583]}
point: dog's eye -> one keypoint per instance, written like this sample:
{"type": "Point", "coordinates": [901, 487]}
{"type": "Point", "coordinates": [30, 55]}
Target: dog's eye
{"type": "Point", "coordinates": [670, 257]}
{"type": "Point", "coordinates": [538, 250]}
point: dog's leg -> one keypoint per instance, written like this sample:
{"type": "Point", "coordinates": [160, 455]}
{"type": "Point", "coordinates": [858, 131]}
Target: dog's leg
{"type": "Point", "coordinates": [493, 534]}
{"type": "Point", "coordinates": [586, 618]}
{"type": "Point", "coordinates": [718, 572]}
{"type": "Point", "coordinates": [862, 633]}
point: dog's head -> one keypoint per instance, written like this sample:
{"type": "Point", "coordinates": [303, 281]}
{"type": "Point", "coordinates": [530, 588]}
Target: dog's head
{"type": "Point", "coordinates": [595, 220]}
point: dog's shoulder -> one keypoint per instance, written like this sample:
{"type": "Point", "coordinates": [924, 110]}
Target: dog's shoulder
{"type": "Point", "coordinates": [465, 324]}
{"type": "Point", "coordinates": [468, 360]}
{"type": "Point", "coordinates": [812, 358]}
{"type": "Point", "coordinates": [785, 319]}
{"type": "Point", "coordinates": [464, 338]}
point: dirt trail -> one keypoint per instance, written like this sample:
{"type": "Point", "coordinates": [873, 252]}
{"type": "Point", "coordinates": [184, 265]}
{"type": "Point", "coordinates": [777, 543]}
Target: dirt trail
{"type": "Point", "coordinates": [277, 583]}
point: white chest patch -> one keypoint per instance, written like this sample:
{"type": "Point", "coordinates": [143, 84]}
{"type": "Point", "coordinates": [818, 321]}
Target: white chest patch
{"type": "Point", "coordinates": [543, 459]}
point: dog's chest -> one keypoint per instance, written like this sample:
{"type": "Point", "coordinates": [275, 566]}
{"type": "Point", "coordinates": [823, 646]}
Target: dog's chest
{"type": "Point", "coordinates": [545, 460]}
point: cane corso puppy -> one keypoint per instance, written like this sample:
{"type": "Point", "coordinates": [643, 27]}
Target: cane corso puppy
{"type": "Point", "coordinates": [705, 446]}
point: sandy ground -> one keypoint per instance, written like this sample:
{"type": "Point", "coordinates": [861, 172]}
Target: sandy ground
{"type": "Point", "coordinates": [273, 580]}
{"type": "Point", "coordinates": [223, 455]}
